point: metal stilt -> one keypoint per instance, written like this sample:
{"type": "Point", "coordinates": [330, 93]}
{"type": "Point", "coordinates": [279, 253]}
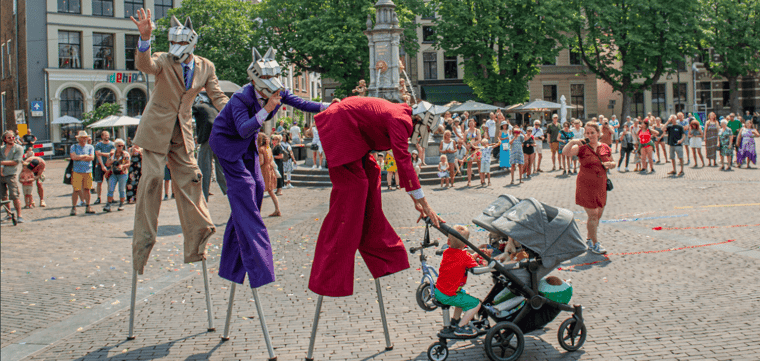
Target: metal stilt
{"type": "Point", "coordinates": [267, 339]}
{"type": "Point", "coordinates": [314, 329]}
{"type": "Point", "coordinates": [388, 345]}
{"type": "Point", "coordinates": [226, 335]}
{"type": "Point", "coordinates": [131, 335]}
{"type": "Point", "coordinates": [211, 327]}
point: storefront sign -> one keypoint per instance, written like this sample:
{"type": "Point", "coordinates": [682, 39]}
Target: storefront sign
{"type": "Point", "coordinates": [123, 78]}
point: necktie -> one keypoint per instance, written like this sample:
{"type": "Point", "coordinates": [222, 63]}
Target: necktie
{"type": "Point", "coordinates": [186, 69]}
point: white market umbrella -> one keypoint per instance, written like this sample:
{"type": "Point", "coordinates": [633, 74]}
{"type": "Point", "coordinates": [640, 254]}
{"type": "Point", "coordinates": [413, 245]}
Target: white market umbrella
{"type": "Point", "coordinates": [426, 107]}
{"type": "Point", "coordinates": [66, 119]}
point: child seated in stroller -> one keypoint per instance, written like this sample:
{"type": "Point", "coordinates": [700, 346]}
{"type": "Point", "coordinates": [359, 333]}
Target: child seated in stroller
{"type": "Point", "coordinates": [451, 280]}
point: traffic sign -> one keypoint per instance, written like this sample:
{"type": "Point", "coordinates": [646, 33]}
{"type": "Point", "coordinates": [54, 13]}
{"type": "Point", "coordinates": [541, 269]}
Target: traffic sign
{"type": "Point", "coordinates": [38, 108]}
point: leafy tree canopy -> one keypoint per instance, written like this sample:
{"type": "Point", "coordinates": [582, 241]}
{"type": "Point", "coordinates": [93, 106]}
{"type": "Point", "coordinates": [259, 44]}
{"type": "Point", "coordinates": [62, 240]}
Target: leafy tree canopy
{"type": "Point", "coordinates": [630, 43]}
{"type": "Point", "coordinates": [227, 31]}
{"type": "Point", "coordinates": [731, 32]}
{"type": "Point", "coordinates": [327, 36]}
{"type": "Point", "coordinates": [104, 110]}
{"type": "Point", "coordinates": [502, 42]}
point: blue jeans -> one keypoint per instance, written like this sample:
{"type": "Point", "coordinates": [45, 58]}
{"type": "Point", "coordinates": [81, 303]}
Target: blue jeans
{"type": "Point", "coordinates": [122, 179]}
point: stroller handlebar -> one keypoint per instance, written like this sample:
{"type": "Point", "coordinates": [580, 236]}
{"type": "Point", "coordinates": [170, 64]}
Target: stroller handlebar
{"type": "Point", "coordinates": [447, 230]}
{"type": "Point", "coordinates": [423, 246]}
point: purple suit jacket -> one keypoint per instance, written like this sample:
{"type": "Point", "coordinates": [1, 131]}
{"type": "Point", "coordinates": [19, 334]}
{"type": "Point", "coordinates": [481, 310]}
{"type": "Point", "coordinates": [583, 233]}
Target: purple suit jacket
{"type": "Point", "coordinates": [236, 128]}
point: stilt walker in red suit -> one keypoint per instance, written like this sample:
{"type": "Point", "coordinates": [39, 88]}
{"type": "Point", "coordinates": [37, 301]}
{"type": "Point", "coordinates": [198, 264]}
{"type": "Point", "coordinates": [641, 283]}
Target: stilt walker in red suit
{"type": "Point", "coordinates": [349, 130]}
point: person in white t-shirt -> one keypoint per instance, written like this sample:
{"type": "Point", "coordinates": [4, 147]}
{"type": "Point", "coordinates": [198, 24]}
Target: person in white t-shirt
{"type": "Point", "coordinates": [538, 136]}
{"type": "Point", "coordinates": [295, 134]}
{"type": "Point", "coordinates": [491, 125]}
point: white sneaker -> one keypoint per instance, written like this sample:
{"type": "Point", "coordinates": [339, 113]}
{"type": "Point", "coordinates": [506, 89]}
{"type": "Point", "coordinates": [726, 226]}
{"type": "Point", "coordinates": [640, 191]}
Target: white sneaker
{"type": "Point", "coordinates": [314, 167]}
{"type": "Point", "coordinates": [619, 169]}
{"type": "Point", "coordinates": [626, 169]}
{"type": "Point", "coordinates": [319, 168]}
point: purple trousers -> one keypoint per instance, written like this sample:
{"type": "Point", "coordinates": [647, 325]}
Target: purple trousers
{"type": "Point", "coordinates": [246, 248]}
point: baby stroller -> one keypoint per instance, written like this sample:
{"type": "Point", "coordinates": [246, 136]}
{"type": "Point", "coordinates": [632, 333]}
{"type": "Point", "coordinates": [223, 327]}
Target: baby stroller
{"type": "Point", "coordinates": [523, 299]}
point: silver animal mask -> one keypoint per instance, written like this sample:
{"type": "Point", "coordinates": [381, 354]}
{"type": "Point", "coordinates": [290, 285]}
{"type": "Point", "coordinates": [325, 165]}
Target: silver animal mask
{"type": "Point", "coordinates": [264, 72]}
{"type": "Point", "coordinates": [182, 33]}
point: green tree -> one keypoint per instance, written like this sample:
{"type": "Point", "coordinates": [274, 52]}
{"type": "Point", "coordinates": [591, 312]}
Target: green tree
{"type": "Point", "coordinates": [630, 43]}
{"type": "Point", "coordinates": [327, 36]}
{"type": "Point", "coordinates": [502, 42]}
{"type": "Point", "coordinates": [104, 110]}
{"type": "Point", "coordinates": [227, 32]}
{"type": "Point", "coordinates": [731, 30]}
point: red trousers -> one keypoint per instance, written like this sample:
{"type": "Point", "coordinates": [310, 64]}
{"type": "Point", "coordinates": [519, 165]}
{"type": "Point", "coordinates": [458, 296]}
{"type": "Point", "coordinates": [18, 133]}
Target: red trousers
{"type": "Point", "coordinates": [355, 221]}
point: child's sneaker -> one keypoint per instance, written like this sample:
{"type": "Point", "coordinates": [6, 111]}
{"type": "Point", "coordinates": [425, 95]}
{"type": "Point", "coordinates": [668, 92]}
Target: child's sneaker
{"type": "Point", "coordinates": [465, 331]}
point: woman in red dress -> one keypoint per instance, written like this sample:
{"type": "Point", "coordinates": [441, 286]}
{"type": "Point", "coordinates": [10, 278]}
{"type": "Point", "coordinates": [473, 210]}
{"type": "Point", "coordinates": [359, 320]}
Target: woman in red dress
{"type": "Point", "coordinates": [591, 185]}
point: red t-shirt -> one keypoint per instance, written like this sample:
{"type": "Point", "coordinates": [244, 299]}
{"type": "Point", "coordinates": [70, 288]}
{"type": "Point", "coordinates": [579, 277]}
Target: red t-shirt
{"type": "Point", "coordinates": [453, 272]}
{"type": "Point", "coordinates": [645, 137]}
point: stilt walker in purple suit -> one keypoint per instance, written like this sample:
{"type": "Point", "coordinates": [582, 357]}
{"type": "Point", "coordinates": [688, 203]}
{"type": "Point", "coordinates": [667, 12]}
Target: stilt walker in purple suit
{"type": "Point", "coordinates": [247, 248]}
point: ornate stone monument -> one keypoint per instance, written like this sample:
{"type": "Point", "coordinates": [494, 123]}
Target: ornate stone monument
{"type": "Point", "coordinates": [384, 40]}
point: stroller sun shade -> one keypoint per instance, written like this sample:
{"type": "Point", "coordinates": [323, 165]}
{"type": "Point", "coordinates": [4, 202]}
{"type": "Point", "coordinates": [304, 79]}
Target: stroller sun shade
{"type": "Point", "coordinates": [549, 231]}
{"type": "Point", "coordinates": [555, 240]}
{"type": "Point", "coordinates": [494, 211]}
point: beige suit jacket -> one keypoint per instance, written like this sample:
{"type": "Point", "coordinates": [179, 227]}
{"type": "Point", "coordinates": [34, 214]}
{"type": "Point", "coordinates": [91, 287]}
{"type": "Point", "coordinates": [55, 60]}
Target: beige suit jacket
{"type": "Point", "coordinates": [170, 101]}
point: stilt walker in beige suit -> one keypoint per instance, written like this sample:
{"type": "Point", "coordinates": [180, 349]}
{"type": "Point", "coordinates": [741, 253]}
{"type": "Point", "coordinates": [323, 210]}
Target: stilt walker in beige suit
{"type": "Point", "coordinates": [166, 136]}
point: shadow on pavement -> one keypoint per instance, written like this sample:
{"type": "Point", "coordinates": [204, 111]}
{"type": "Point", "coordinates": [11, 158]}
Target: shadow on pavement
{"type": "Point", "coordinates": [580, 263]}
{"type": "Point", "coordinates": [163, 230]}
{"type": "Point", "coordinates": [535, 348]}
{"type": "Point", "coordinates": [144, 353]}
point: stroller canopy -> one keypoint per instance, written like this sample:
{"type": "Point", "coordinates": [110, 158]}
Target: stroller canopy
{"type": "Point", "coordinates": [548, 231]}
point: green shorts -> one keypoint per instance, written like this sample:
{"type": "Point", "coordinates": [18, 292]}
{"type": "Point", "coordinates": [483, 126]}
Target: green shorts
{"type": "Point", "coordinates": [461, 300]}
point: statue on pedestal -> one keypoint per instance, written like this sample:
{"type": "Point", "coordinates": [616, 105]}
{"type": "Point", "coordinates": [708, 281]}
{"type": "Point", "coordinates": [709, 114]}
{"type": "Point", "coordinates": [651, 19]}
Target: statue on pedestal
{"type": "Point", "coordinates": [361, 89]}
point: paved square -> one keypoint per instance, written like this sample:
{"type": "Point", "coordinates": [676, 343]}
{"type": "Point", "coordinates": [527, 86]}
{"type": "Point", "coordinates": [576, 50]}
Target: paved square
{"type": "Point", "coordinates": [66, 280]}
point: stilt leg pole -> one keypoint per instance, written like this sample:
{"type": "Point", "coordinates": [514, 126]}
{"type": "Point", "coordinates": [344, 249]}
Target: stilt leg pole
{"type": "Point", "coordinates": [267, 339]}
{"type": "Point", "coordinates": [226, 335]}
{"type": "Point", "coordinates": [131, 335]}
{"type": "Point", "coordinates": [211, 327]}
{"type": "Point", "coordinates": [388, 345]}
{"type": "Point", "coordinates": [314, 329]}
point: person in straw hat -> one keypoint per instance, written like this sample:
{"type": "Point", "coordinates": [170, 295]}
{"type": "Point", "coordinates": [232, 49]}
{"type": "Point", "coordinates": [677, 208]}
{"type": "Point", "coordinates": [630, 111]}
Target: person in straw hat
{"type": "Point", "coordinates": [82, 154]}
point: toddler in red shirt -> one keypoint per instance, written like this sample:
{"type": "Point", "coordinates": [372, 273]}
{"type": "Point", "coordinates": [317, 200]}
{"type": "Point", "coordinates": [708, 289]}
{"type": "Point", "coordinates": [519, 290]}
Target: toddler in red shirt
{"type": "Point", "coordinates": [452, 277]}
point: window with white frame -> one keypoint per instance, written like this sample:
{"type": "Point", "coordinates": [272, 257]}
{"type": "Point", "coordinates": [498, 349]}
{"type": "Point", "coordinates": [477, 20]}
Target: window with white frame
{"type": "Point", "coordinates": [430, 65]}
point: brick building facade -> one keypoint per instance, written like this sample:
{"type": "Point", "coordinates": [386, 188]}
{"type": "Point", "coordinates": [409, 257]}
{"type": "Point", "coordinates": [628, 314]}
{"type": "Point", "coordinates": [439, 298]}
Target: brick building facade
{"type": "Point", "coordinates": [13, 79]}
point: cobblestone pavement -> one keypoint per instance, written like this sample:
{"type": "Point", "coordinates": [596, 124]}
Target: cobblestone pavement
{"type": "Point", "coordinates": [66, 280]}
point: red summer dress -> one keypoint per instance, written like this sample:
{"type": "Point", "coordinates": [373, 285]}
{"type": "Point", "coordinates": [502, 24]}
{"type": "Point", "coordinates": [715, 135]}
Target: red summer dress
{"type": "Point", "coordinates": [591, 184]}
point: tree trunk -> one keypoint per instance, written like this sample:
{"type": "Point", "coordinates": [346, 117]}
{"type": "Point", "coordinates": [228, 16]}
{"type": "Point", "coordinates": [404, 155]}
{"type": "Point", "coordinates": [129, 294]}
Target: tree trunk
{"type": "Point", "coordinates": [733, 86]}
{"type": "Point", "coordinates": [626, 107]}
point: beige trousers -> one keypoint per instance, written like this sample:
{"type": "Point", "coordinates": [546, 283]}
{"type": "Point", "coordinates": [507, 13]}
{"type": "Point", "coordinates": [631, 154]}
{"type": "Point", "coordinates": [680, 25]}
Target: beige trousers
{"type": "Point", "coordinates": [194, 217]}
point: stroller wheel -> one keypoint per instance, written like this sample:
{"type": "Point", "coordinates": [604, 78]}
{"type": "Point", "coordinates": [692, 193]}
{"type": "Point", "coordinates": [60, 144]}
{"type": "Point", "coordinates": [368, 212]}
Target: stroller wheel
{"type": "Point", "coordinates": [504, 342]}
{"type": "Point", "coordinates": [565, 335]}
{"type": "Point", "coordinates": [438, 352]}
{"type": "Point", "coordinates": [425, 297]}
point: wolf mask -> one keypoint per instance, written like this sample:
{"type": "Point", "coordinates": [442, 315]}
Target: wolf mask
{"type": "Point", "coordinates": [264, 72]}
{"type": "Point", "coordinates": [182, 33]}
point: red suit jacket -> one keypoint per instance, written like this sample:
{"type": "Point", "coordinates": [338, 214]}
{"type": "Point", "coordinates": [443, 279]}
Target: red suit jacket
{"type": "Point", "coordinates": [357, 125]}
